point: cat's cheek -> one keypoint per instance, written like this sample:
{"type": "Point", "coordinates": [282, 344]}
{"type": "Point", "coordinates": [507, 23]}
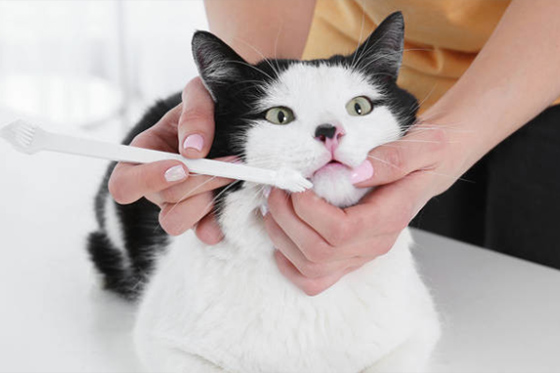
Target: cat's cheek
{"type": "Point", "coordinates": [334, 185]}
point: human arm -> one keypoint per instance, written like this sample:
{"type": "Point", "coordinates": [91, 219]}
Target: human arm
{"type": "Point", "coordinates": [514, 77]}
{"type": "Point", "coordinates": [258, 29]}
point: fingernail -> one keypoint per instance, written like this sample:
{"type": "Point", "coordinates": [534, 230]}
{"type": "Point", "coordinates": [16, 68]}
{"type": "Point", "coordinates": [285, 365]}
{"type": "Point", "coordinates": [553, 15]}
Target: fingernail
{"type": "Point", "coordinates": [362, 172]}
{"type": "Point", "coordinates": [264, 210]}
{"type": "Point", "coordinates": [175, 173]}
{"type": "Point", "coordinates": [194, 141]}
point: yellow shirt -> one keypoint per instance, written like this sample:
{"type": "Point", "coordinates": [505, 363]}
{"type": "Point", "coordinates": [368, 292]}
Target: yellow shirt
{"type": "Point", "coordinates": [442, 37]}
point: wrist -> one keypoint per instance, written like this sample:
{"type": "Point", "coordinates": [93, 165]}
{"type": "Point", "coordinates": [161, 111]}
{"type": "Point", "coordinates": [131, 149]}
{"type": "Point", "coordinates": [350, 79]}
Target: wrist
{"type": "Point", "coordinates": [454, 146]}
{"type": "Point", "coordinates": [471, 130]}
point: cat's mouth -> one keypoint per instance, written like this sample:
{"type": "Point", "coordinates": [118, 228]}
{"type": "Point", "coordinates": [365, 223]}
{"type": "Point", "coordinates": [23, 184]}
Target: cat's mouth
{"type": "Point", "coordinates": [331, 166]}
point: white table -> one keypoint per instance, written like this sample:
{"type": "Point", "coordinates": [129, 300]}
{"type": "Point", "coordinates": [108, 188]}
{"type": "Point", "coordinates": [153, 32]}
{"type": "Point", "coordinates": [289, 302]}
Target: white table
{"type": "Point", "coordinates": [501, 314]}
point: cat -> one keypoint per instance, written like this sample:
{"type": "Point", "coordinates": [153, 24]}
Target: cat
{"type": "Point", "coordinates": [227, 308]}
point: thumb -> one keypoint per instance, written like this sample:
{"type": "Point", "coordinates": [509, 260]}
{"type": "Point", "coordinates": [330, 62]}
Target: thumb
{"type": "Point", "coordinates": [418, 150]}
{"type": "Point", "coordinates": [196, 123]}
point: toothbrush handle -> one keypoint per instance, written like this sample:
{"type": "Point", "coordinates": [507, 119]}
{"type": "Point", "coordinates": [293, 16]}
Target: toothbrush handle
{"type": "Point", "coordinates": [124, 153]}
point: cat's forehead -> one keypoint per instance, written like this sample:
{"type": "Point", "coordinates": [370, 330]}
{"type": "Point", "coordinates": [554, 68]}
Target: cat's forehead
{"type": "Point", "coordinates": [330, 84]}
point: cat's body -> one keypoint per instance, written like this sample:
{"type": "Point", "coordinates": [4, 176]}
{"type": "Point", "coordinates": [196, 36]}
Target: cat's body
{"type": "Point", "coordinates": [229, 305]}
{"type": "Point", "coordinates": [227, 308]}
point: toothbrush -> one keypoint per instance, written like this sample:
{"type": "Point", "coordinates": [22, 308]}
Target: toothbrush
{"type": "Point", "coordinates": [30, 139]}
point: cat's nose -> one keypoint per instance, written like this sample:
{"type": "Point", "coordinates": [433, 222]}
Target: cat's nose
{"type": "Point", "coordinates": [328, 131]}
{"type": "Point", "coordinates": [325, 131]}
{"type": "Point", "coordinates": [329, 135]}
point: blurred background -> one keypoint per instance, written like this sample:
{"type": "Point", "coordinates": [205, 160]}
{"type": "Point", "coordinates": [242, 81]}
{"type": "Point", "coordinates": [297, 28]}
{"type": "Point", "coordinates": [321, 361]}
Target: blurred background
{"type": "Point", "coordinates": [85, 63]}
{"type": "Point", "coordinates": [88, 69]}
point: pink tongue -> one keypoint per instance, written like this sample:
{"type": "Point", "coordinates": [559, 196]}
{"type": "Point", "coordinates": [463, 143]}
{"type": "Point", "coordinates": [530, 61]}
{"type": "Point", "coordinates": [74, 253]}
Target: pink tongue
{"type": "Point", "coordinates": [361, 173]}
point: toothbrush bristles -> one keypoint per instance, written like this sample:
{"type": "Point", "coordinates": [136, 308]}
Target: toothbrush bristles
{"type": "Point", "coordinates": [19, 133]}
{"type": "Point", "coordinates": [291, 180]}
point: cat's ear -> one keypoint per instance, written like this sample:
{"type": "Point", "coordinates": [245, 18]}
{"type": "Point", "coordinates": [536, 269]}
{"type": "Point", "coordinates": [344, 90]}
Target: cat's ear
{"type": "Point", "coordinates": [383, 49]}
{"type": "Point", "coordinates": [218, 64]}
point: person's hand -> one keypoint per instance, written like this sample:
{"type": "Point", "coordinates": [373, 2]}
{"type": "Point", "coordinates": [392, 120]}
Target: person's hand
{"type": "Point", "coordinates": [318, 243]}
{"type": "Point", "coordinates": [185, 200]}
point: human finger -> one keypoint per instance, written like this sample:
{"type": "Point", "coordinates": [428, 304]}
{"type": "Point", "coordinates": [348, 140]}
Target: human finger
{"type": "Point", "coordinates": [419, 150]}
{"type": "Point", "coordinates": [163, 134]}
{"type": "Point", "coordinates": [177, 218]}
{"type": "Point", "coordinates": [350, 234]}
{"type": "Point", "coordinates": [309, 269]}
{"type": "Point", "coordinates": [129, 182]}
{"type": "Point", "coordinates": [330, 222]}
{"type": "Point", "coordinates": [196, 123]}
{"type": "Point", "coordinates": [195, 184]}
{"type": "Point", "coordinates": [208, 230]}
{"type": "Point", "coordinates": [311, 286]}
{"type": "Point", "coordinates": [390, 208]}
{"type": "Point", "coordinates": [311, 244]}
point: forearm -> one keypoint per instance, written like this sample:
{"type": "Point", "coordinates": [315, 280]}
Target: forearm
{"type": "Point", "coordinates": [515, 76]}
{"type": "Point", "coordinates": [262, 28]}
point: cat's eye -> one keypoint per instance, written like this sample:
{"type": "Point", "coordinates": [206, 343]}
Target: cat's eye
{"type": "Point", "coordinates": [279, 115]}
{"type": "Point", "coordinates": [359, 106]}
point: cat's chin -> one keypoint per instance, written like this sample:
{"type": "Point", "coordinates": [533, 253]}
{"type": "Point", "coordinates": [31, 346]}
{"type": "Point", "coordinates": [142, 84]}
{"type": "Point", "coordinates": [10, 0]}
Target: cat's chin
{"type": "Point", "coordinates": [332, 182]}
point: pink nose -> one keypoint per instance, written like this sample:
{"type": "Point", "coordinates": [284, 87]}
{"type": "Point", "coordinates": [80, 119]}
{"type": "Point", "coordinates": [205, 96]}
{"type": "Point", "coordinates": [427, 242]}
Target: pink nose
{"type": "Point", "coordinates": [329, 135]}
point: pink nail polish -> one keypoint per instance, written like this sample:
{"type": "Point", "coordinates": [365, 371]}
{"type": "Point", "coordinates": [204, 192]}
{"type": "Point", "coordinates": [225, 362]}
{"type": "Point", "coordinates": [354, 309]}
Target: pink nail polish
{"type": "Point", "coordinates": [194, 141]}
{"type": "Point", "coordinates": [362, 172]}
{"type": "Point", "coordinates": [175, 173]}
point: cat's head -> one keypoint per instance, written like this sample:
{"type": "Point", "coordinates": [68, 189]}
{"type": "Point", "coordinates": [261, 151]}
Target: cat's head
{"type": "Point", "coordinates": [319, 117]}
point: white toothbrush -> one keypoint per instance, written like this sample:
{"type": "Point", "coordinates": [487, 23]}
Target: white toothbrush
{"type": "Point", "coordinates": [29, 139]}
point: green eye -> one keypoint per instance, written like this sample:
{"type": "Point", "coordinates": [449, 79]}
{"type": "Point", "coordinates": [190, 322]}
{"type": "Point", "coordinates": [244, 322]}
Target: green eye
{"type": "Point", "coordinates": [279, 115]}
{"type": "Point", "coordinates": [359, 106]}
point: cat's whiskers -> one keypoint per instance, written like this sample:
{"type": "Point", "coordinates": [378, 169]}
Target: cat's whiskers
{"type": "Point", "coordinates": [428, 95]}
{"type": "Point", "coordinates": [208, 207]}
{"type": "Point", "coordinates": [264, 58]}
{"type": "Point", "coordinates": [258, 194]}
{"type": "Point", "coordinates": [248, 87]}
{"type": "Point", "coordinates": [186, 195]}
{"type": "Point", "coordinates": [435, 125]}
{"type": "Point", "coordinates": [361, 32]}
{"type": "Point", "coordinates": [380, 57]}
{"type": "Point", "coordinates": [365, 51]}
{"type": "Point", "coordinates": [437, 128]}
{"type": "Point", "coordinates": [423, 141]}
{"type": "Point", "coordinates": [252, 67]}
{"type": "Point", "coordinates": [257, 82]}
{"type": "Point", "coordinates": [419, 50]}
{"type": "Point", "coordinates": [355, 62]}
{"type": "Point", "coordinates": [437, 114]}
{"type": "Point", "coordinates": [426, 170]}
{"type": "Point", "coordinates": [276, 44]}
{"type": "Point", "coordinates": [262, 161]}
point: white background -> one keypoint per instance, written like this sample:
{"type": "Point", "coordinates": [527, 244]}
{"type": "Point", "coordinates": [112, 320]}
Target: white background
{"type": "Point", "coordinates": [75, 63]}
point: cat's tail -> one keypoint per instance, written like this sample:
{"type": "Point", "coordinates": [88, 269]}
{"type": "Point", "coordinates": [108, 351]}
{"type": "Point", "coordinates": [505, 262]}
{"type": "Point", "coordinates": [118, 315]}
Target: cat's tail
{"type": "Point", "coordinates": [129, 239]}
{"type": "Point", "coordinates": [125, 247]}
{"type": "Point", "coordinates": [111, 263]}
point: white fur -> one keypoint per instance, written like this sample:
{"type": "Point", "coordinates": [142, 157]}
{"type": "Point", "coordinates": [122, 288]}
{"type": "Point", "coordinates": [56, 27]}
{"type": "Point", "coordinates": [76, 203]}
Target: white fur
{"type": "Point", "coordinates": [227, 308]}
{"type": "Point", "coordinates": [318, 95]}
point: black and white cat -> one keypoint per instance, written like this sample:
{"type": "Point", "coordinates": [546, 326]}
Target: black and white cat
{"type": "Point", "coordinates": [227, 308]}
